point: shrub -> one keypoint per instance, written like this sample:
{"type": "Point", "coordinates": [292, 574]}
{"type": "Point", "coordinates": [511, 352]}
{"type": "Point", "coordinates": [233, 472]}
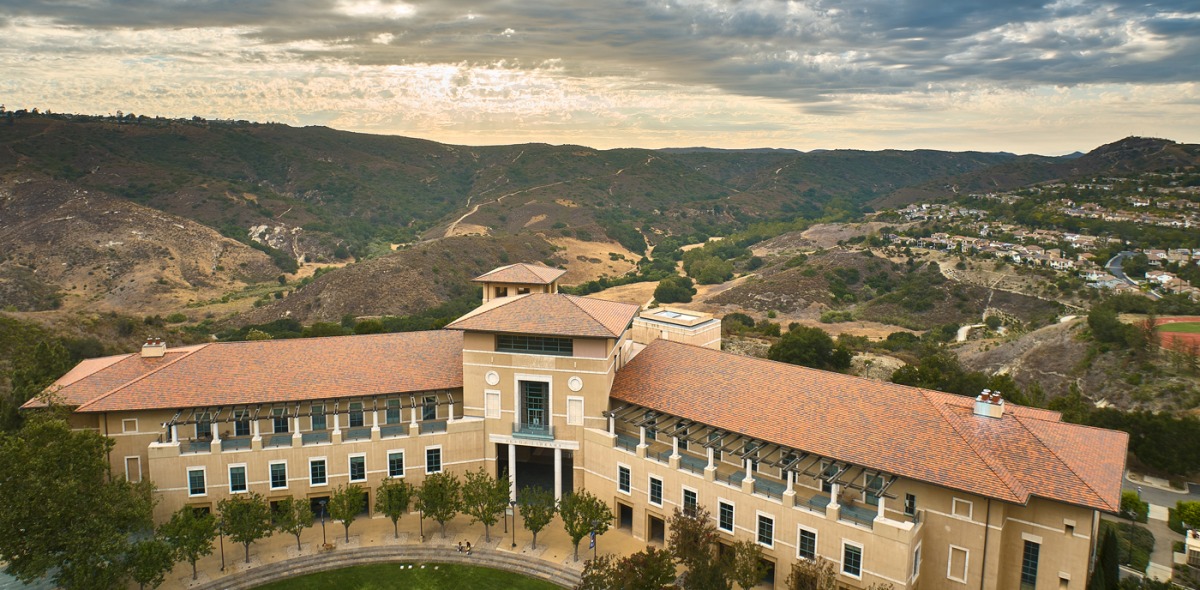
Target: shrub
{"type": "Point", "coordinates": [176, 318]}
{"type": "Point", "coordinates": [674, 290]}
{"type": "Point", "coordinates": [1133, 506]}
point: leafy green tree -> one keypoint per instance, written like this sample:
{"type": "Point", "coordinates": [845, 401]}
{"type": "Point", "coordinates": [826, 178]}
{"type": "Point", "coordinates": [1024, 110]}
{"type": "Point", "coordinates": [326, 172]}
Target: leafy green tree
{"type": "Point", "coordinates": [190, 534]}
{"type": "Point", "coordinates": [693, 538]}
{"type": "Point", "coordinates": [649, 569]}
{"type": "Point", "coordinates": [538, 507]}
{"type": "Point", "coordinates": [810, 347]}
{"type": "Point", "coordinates": [440, 497]}
{"type": "Point", "coordinates": [1188, 512]}
{"type": "Point", "coordinates": [393, 499]}
{"type": "Point", "coordinates": [1109, 569]}
{"type": "Point", "coordinates": [484, 498]}
{"type": "Point", "coordinates": [47, 473]}
{"type": "Point", "coordinates": [674, 289]}
{"type": "Point", "coordinates": [811, 574]}
{"type": "Point", "coordinates": [149, 561]}
{"type": "Point", "coordinates": [579, 510]}
{"type": "Point", "coordinates": [293, 516]}
{"type": "Point", "coordinates": [345, 504]}
{"type": "Point", "coordinates": [34, 368]}
{"type": "Point", "coordinates": [746, 567]}
{"type": "Point", "coordinates": [246, 518]}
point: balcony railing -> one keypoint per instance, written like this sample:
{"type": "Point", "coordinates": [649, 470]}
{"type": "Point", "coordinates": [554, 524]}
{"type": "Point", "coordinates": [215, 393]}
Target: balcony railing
{"type": "Point", "coordinates": [768, 488]}
{"type": "Point", "coordinates": [817, 502]}
{"type": "Point", "coordinates": [693, 464]}
{"type": "Point", "coordinates": [357, 434]}
{"type": "Point", "coordinates": [393, 430]}
{"type": "Point", "coordinates": [235, 444]}
{"type": "Point", "coordinates": [660, 456]}
{"type": "Point", "coordinates": [278, 440]}
{"type": "Point", "coordinates": [734, 479]}
{"type": "Point", "coordinates": [858, 515]}
{"type": "Point", "coordinates": [432, 426]}
{"type": "Point", "coordinates": [315, 438]}
{"type": "Point", "coordinates": [196, 446]}
{"type": "Point", "coordinates": [539, 431]}
{"type": "Point", "coordinates": [627, 442]}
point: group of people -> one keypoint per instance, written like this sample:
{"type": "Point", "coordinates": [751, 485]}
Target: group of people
{"type": "Point", "coordinates": [466, 549]}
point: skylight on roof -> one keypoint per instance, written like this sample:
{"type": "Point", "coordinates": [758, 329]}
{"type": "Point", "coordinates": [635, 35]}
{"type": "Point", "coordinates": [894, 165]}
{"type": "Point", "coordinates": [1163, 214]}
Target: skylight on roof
{"type": "Point", "coordinates": [674, 315]}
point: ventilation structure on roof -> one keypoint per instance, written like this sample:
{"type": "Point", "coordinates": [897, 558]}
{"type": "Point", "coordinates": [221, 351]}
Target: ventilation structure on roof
{"type": "Point", "coordinates": [154, 348]}
{"type": "Point", "coordinates": [989, 404]}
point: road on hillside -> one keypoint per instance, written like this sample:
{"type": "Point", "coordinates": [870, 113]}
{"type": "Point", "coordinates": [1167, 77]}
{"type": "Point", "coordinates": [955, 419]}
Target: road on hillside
{"type": "Point", "coordinates": [1114, 268]}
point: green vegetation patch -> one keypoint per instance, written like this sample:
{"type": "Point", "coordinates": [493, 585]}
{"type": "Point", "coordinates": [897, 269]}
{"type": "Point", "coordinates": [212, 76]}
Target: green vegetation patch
{"type": "Point", "coordinates": [1185, 327]}
{"type": "Point", "coordinates": [401, 576]}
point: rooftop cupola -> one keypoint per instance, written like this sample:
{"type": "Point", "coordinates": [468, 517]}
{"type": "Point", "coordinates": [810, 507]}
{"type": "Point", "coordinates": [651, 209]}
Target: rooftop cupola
{"type": "Point", "coordinates": [519, 279]}
{"type": "Point", "coordinates": [989, 404]}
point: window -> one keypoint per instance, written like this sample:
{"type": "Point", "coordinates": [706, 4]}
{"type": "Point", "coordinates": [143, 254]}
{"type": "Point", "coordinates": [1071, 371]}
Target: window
{"type": "Point", "coordinates": [133, 469]}
{"type": "Point", "coordinates": [356, 414]}
{"type": "Point", "coordinates": [871, 494]}
{"type": "Point", "coordinates": [852, 558]}
{"type": "Point", "coordinates": [683, 441]}
{"type": "Point", "coordinates": [237, 479]}
{"type": "Point", "coordinates": [956, 568]}
{"type": "Point", "coordinates": [501, 291]}
{"type": "Point", "coordinates": [318, 417]}
{"type": "Point", "coordinates": [491, 404]}
{"type": "Point", "coordinates": [575, 411]}
{"type": "Point", "coordinates": [129, 425]}
{"type": "Point", "coordinates": [279, 421]}
{"type": "Point", "coordinates": [535, 345]}
{"type": "Point", "coordinates": [396, 464]}
{"type": "Point", "coordinates": [656, 491]}
{"type": "Point", "coordinates": [1029, 565]}
{"type": "Point", "coordinates": [358, 468]}
{"type": "Point", "coordinates": [690, 501]}
{"type": "Point", "coordinates": [279, 480]}
{"type": "Point", "coordinates": [916, 565]}
{"type": "Point", "coordinates": [712, 438]}
{"type": "Point", "coordinates": [316, 472]}
{"type": "Point", "coordinates": [961, 508]}
{"type": "Point", "coordinates": [910, 505]}
{"type": "Point", "coordinates": [766, 530]}
{"type": "Point", "coordinates": [828, 472]}
{"type": "Point", "coordinates": [196, 485]}
{"type": "Point", "coordinates": [433, 460]}
{"type": "Point", "coordinates": [392, 414]}
{"type": "Point", "coordinates": [204, 426]}
{"type": "Point", "coordinates": [623, 478]}
{"type": "Point", "coordinates": [522, 290]}
{"type": "Point", "coordinates": [806, 545]}
{"type": "Point", "coordinates": [241, 423]}
{"type": "Point", "coordinates": [429, 408]}
{"type": "Point", "coordinates": [725, 516]}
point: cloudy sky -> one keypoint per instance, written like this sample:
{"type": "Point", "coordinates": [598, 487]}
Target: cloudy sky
{"type": "Point", "coordinates": [1015, 75]}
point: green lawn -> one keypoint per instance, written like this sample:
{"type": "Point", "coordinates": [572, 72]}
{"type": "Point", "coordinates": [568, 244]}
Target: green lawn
{"type": "Point", "coordinates": [1186, 327]}
{"type": "Point", "coordinates": [433, 576]}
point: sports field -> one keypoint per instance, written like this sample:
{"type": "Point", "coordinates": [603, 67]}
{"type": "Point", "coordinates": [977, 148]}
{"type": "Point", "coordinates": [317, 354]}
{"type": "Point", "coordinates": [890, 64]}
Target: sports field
{"type": "Point", "coordinates": [1184, 327]}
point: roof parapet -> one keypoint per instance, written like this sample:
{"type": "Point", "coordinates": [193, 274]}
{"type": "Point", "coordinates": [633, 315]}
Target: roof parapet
{"type": "Point", "coordinates": [989, 404]}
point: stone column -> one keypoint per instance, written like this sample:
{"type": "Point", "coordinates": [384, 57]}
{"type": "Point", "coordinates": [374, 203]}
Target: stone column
{"type": "Point", "coordinates": [336, 437]}
{"type": "Point", "coordinates": [557, 474]}
{"type": "Point", "coordinates": [748, 480]}
{"type": "Point", "coordinates": [612, 424]}
{"type": "Point", "coordinates": [297, 438]}
{"type": "Point", "coordinates": [710, 472]}
{"type": "Point", "coordinates": [789, 495]}
{"type": "Point", "coordinates": [512, 472]}
{"type": "Point", "coordinates": [255, 436]}
{"type": "Point", "coordinates": [375, 424]}
{"type": "Point", "coordinates": [673, 461]}
{"type": "Point", "coordinates": [175, 433]}
{"type": "Point", "coordinates": [641, 448]}
{"type": "Point", "coordinates": [879, 515]}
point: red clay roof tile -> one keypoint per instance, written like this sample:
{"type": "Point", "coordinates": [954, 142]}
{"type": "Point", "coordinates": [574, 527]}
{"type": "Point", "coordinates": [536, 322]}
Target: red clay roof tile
{"type": "Point", "coordinates": [522, 274]}
{"type": "Point", "coordinates": [552, 314]}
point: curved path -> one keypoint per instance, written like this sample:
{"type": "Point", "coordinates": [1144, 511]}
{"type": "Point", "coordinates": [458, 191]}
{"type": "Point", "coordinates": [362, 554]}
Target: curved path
{"type": "Point", "coordinates": [348, 557]}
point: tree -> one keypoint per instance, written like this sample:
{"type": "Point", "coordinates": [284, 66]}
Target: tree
{"type": "Point", "coordinates": [582, 513]}
{"type": "Point", "coordinates": [439, 497]}
{"type": "Point", "coordinates": [746, 567]}
{"type": "Point", "coordinates": [811, 574]}
{"type": "Point", "coordinates": [538, 508]}
{"type": "Point", "coordinates": [1109, 568]}
{"type": "Point", "coordinates": [484, 498]}
{"type": "Point", "coordinates": [650, 569]}
{"type": "Point", "coordinates": [149, 561]}
{"type": "Point", "coordinates": [1188, 512]}
{"type": "Point", "coordinates": [51, 474]}
{"type": "Point", "coordinates": [246, 518]}
{"type": "Point", "coordinates": [34, 369]}
{"type": "Point", "coordinates": [693, 537]}
{"type": "Point", "coordinates": [810, 347]}
{"type": "Point", "coordinates": [190, 534]}
{"type": "Point", "coordinates": [393, 499]}
{"type": "Point", "coordinates": [293, 516]}
{"type": "Point", "coordinates": [674, 289]}
{"type": "Point", "coordinates": [345, 504]}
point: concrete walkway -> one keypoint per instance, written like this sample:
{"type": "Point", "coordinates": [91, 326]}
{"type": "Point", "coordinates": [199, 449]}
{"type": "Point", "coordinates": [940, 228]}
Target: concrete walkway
{"type": "Point", "coordinates": [372, 540]}
{"type": "Point", "coordinates": [1163, 557]}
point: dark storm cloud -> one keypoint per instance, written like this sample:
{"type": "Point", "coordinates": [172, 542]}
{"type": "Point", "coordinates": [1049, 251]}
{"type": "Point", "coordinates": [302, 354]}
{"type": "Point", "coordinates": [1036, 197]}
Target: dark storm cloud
{"type": "Point", "coordinates": [805, 51]}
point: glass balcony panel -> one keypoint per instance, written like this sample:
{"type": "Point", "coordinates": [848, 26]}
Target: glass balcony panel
{"type": "Point", "coordinates": [196, 446]}
{"type": "Point", "coordinates": [693, 464]}
{"type": "Point", "coordinates": [769, 488]}
{"type": "Point", "coordinates": [314, 438]}
{"type": "Point", "coordinates": [357, 434]}
{"type": "Point", "coordinates": [432, 426]}
{"type": "Point", "coordinates": [278, 440]}
{"type": "Point", "coordinates": [393, 430]}
{"type": "Point", "coordinates": [536, 431]}
{"type": "Point", "coordinates": [857, 515]}
{"type": "Point", "coordinates": [235, 444]}
{"type": "Point", "coordinates": [627, 442]}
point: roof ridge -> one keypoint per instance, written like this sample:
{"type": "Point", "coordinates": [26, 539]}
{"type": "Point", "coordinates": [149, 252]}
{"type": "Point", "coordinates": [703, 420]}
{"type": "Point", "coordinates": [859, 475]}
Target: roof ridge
{"type": "Point", "coordinates": [1002, 473]}
{"type": "Point", "coordinates": [182, 356]}
{"type": "Point", "coordinates": [573, 299]}
{"type": "Point", "coordinates": [1064, 462]}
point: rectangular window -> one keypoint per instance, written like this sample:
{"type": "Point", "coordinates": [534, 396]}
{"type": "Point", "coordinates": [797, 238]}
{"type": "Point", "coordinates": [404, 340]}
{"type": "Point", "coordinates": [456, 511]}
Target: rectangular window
{"type": "Point", "coordinates": [433, 460]}
{"type": "Point", "coordinates": [133, 469]}
{"type": "Point", "coordinates": [910, 505]}
{"type": "Point", "coordinates": [956, 567]}
{"type": "Point", "coordinates": [317, 475]}
{"type": "Point", "coordinates": [279, 421]}
{"type": "Point", "coordinates": [358, 468]}
{"type": "Point", "coordinates": [392, 414]}
{"type": "Point", "coordinates": [712, 440]}
{"type": "Point", "coordinates": [522, 290]}
{"type": "Point", "coordinates": [828, 472]}
{"type": "Point", "coordinates": [396, 464]}
{"type": "Point", "coordinates": [1029, 565]}
{"type": "Point", "coordinates": [237, 479]}
{"type": "Point", "coordinates": [683, 441]}
{"type": "Point", "coordinates": [204, 426]}
{"type": "Point", "coordinates": [129, 425]}
{"type": "Point", "coordinates": [279, 480]}
{"type": "Point", "coordinates": [491, 404]}
{"type": "Point", "coordinates": [535, 345]}
{"type": "Point", "coordinates": [196, 485]}
{"type": "Point", "coordinates": [429, 408]}
{"type": "Point", "coordinates": [725, 516]}
{"type": "Point", "coordinates": [806, 545]}
{"type": "Point", "coordinates": [575, 411]}
{"type": "Point", "coordinates": [871, 494]}
{"type": "Point", "coordinates": [962, 508]}
{"type": "Point", "coordinates": [241, 423]}
{"type": "Point", "coordinates": [318, 417]}
{"type": "Point", "coordinates": [852, 558]}
{"type": "Point", "coordinates": [356, 414]}
{"type": "Point", "coordinates": [501, 291]}
{"type": "Point", "coordinates": [623, 479]}
{"type": "Point", "coordinates": [766, 530]}
{"type": "Point", "coordinates": [916, 565]}
{"type": "Point", "coordinates": [690, 501]}
{"type": "Point", "coordinates": [656, 491]}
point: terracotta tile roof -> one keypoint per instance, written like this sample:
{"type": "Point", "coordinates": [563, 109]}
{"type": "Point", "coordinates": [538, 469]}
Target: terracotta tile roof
{"type": "Point", "coordinates": [522, 274]}
{"type": "Point", "coordinates": [923, 435]}
{"type": "Point", "coordinates": [229, 373]}
{"type": "Point", "coordinates": [550, 313]}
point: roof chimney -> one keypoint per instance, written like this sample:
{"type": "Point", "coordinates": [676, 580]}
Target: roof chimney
{"type": "Point", "coordinates": [989, 404]}
{"type": "Point", "coordinates": [154, 348]}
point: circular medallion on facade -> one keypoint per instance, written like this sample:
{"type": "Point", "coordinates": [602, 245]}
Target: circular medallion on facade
{"type": "Point", "coordinates": [575, 383]}
{"type": "Point", "coordinates": [492, 377]}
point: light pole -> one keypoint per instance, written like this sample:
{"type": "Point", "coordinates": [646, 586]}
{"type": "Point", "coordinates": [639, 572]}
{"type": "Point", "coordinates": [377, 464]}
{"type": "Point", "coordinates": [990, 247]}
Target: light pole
{"type": "Point", "coordinates": [513, 504]}
{"type": "Point", "coordinates": [421, 521]}
{"type": "Point", "coordinates": [323, 541]}
{"type": "Point", "coordinates": [221, 540]}
{"type": "Point", "coordinates": [594, 524]}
